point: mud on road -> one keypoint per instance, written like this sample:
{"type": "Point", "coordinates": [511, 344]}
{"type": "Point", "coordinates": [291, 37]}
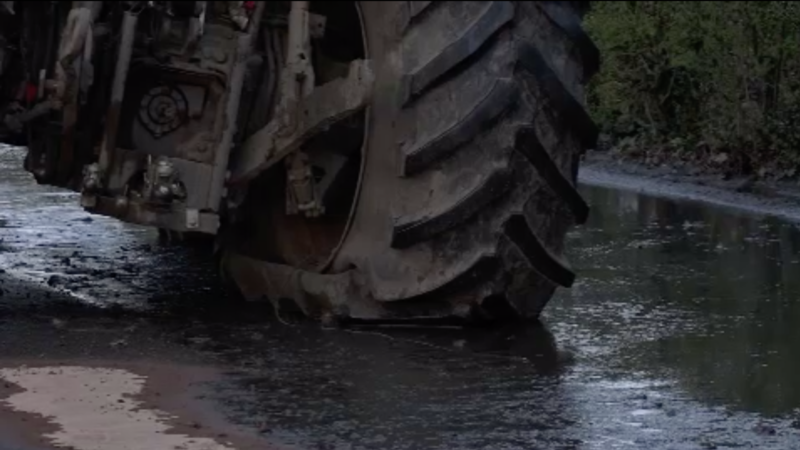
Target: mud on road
{"type": "Point", "coordinates": [678, 335]}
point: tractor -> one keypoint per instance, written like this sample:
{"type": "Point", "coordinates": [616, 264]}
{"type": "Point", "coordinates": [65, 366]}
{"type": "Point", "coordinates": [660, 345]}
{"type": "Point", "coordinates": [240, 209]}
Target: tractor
{"type": "Point", "coordinates": [384, 162]}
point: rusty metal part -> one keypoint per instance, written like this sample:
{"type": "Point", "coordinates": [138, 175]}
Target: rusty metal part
{"type": "Point", "coordinates": [14, 122]}
{"type": "Point", "coordinates": [72, 46]}
{"type": "Point", "coordinates": [333, 298]}
{"type": "Point", "coordinates": [316, 26]}
{"type": "Point", "coordinates": [238, 14]}
{"type": "Point", "coordinates": [297, 81]}
{"type": "Point", "coordinates": [176, 218]}
{"type": "Point", "coordinates": [332, 165]}
{"type": "Point", "coordinates": [263, 104]}
{"type": "Point", "coordinates": [244, 49]}
{"type": "Point", "coordinates": [341, 295]}
{"type": "Point", "coordinates": [72, 72]}
{"type": "Point", "coordinates": [129, 22]}
{"type": "Point", "coordinates": [196, 27]}
{"type": "Point", "coordinates": [297, 77]}
{"type": "Point", "coordinates": [266, 231]}
{"type": "Point", "coordinates": [301, 193]}
{"type": "Point", "coordinates": [92, 178]}
{"type": "Point", "coordinates": [327, 104]}
{"type": "Point", "coordinates": [87, 68]}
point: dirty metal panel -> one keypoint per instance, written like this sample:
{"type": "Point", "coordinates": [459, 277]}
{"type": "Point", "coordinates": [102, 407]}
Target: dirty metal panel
{"type": "Point", "coordinates": [174, 113]}
{"type": "Point", "coordinates": [176, 217]}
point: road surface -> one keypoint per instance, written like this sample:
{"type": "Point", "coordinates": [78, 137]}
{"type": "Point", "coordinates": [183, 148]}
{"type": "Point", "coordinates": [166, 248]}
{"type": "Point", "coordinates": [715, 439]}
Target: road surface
{"type": "Point", "coordinates": [680, 333]}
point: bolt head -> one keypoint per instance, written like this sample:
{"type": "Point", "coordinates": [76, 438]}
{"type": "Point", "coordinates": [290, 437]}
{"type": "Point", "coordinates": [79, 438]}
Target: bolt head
{"type": "Point", "coordinates": [176, 189]}
{"type": "Point", "coordinates": [163, 192]}
{"type": "Point", "coordinates": [121, 202]}
{"type": "Point", "coordinates": [164, 169]}
{"type": "Point", "coordinates": [90, 184]}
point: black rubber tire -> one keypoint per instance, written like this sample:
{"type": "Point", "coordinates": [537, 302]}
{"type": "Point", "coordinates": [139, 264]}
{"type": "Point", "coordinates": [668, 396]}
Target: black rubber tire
{"type": "Point", "coordinates": [476, 133]}
{"type": "Point", "coordinates": [473, 142]}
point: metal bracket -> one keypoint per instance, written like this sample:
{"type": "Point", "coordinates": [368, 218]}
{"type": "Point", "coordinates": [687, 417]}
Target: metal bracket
{"type": "Point", "coordinates": [302, 194]}
{"type": "Point", "coordinates": [324, 106]}
{"type": "Point", "coordinates": [317, 26]}
{"type": "Point", "coordinates": [297, 81]}
{"type": "Point", "coordinates": [192, 219]}
{"type": "Point", "coordinates": [302, 112]}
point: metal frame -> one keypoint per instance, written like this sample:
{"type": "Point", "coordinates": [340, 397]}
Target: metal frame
{"type": "Point", "coordinates": [303, 111]}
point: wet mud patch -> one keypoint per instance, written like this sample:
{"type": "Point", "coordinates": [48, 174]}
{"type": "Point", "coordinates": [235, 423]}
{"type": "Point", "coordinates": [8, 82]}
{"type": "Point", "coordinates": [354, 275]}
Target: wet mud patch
{"type": "Point", "coordinates": [88, 405]}
{"type": "Point", "coordinates": [21, 429]}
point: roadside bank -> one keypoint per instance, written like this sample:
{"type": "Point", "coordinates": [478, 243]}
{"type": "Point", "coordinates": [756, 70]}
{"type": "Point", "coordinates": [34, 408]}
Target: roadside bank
{"type": "Point", "coordinates": [745, 194]}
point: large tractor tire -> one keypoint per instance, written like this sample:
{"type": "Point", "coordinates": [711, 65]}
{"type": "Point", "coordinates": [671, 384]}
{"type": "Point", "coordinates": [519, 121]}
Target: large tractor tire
{"type": "Point", "coordinates": [468, 173]}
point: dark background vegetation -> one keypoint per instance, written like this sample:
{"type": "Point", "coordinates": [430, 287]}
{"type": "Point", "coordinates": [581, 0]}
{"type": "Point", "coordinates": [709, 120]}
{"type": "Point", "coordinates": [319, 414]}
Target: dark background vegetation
{"type": "Point", "coordinates": [709, 84]}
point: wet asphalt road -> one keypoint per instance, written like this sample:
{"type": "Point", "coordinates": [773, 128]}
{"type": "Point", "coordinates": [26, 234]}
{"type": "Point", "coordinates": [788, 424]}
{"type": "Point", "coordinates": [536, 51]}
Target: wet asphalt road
{"type": "Point", "coordinates": [679, 334]}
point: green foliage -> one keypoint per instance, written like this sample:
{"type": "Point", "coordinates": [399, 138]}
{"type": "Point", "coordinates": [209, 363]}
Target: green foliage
{"type": "Point", "coordinates": [697, 79]}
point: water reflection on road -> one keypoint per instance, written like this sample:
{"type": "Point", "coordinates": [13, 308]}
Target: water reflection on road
{"type": "Point", "coordinates": [708, 298]}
